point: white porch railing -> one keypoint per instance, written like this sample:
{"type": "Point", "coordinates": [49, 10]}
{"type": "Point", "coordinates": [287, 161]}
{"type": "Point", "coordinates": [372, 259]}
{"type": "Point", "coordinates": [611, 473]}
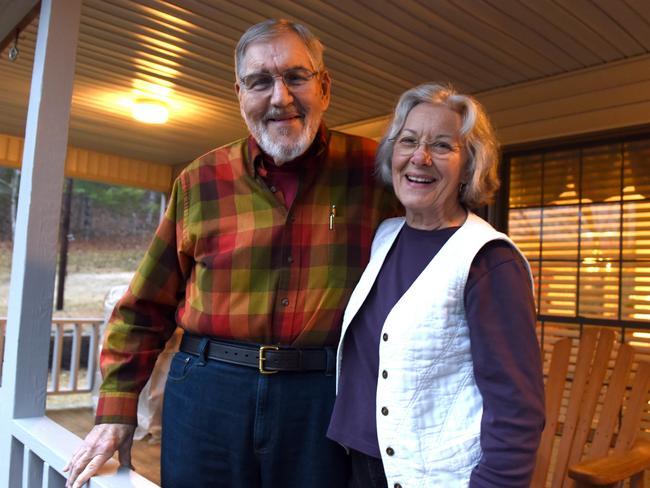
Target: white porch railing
{"type": "Point", "coordinates": [79, 331]}
{"type": "Point", "coordinates": [44, 445]}
{"type": "Point", "coordinates": [46, 448]}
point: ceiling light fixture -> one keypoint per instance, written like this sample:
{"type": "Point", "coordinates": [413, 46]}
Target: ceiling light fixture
{"type": "Point", "coordinates": [150, 111]}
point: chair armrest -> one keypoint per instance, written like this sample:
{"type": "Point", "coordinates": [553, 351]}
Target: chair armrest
{"type": "Point", "coordinates": [613, 468]}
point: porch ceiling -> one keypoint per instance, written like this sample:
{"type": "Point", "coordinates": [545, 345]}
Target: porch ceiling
{"type": "Point", "coordinates": [181, 51]}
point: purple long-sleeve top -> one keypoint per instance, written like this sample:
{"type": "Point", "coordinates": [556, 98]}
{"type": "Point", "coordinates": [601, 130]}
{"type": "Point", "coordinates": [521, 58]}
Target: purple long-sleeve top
{"type": "Point", "coordinates": [507, 365]}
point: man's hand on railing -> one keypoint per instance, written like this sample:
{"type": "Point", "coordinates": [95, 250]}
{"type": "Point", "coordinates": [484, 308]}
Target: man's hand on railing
{"type": "Point", "coordinates": [98, 447]}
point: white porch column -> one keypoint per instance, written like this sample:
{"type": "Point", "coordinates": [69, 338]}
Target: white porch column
{"type": "Point", "coordinates": [31, 290]}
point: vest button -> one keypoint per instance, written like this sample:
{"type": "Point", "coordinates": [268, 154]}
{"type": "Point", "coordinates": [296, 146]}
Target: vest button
{"type": "Point", "coordinates": [384, 374]}
{"type": "Point", "coordinates": [385, 337]}
{"type": "Point", "coordinates": [390, 451]}
{"type": "Point", "coordinates": [384, 411]}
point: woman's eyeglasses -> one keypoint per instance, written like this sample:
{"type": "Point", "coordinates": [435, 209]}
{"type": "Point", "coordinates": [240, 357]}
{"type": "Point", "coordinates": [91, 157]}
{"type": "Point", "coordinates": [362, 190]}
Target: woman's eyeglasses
{"type": "Point", "coordinates": [407, 145]}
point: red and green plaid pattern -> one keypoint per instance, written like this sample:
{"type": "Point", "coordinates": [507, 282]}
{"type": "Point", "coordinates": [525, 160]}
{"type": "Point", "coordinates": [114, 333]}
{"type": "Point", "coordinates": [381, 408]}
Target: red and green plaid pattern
{"type": "Point", "coordinates": [230, 261]}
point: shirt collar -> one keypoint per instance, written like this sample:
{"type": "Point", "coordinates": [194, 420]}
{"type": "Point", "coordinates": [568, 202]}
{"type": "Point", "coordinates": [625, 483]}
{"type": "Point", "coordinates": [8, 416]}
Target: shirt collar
{"type": "Point", "coordinates": [258, 161]}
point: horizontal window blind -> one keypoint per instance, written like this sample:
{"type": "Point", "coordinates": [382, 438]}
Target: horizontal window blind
{"type": "Point", "coordinates": [582, 218]}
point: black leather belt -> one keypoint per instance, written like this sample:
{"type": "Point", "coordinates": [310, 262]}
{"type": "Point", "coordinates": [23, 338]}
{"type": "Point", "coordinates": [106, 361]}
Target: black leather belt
{"type": "Point", "coordinates": [266, 359]}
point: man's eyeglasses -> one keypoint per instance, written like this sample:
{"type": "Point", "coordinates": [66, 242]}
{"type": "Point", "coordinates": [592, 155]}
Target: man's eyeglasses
{"type": "Point", "coordinates": [407, 145]}
{"type": "Point", "coordinates": [293, 79]}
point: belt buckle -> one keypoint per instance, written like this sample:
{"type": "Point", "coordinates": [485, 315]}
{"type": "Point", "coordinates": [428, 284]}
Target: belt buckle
{"type": "Point", "coordinates": [260, 364]}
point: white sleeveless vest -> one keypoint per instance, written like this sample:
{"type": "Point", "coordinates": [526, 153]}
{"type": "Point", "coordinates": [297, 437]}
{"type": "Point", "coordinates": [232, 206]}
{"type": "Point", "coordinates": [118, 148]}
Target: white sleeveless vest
{"type": "Point", "coordinates": [428, 407]}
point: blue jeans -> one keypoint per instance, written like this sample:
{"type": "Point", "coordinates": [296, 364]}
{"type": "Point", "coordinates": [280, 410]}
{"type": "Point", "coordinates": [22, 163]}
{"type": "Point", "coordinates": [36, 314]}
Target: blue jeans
{"type": "Point", "coordinates": [230, 426]}
{"type": "Point", "coordinates": [367, 471]}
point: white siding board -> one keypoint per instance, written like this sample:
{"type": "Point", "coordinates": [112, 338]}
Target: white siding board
{"type": "Point", "coordinates": [604, 76]}
{"type": "Point", "coordinates": [575, 124]}
{"type": "Point", "coordinates": [611, 96]}
{"type": "Point", "coordinates": [558, 106]}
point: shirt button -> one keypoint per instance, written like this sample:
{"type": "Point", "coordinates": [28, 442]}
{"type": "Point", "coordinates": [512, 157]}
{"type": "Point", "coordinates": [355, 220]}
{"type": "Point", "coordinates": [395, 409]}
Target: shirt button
{"type": "Point", "coordinates": [397, 485]}
{"type": "Point", "coordinates": [385, 337]}
{"type": "Point", "coordinates": [384, 411]}
{"type": "Point", "coordinates": [273, 189]}
{"type": "Point", "coordinates": [289, 259]}
{"type": "Point", "coordinates": [384, 374]}
{"type": "Point", "coordinates": [390, 451]}
{"type": "Point", "coordinates": [285, 302]}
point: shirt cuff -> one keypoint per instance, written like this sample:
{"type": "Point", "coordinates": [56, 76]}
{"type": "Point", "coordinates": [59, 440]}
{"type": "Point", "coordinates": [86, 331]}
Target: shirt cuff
{"type": "Point", "coordinates": [117, 408]}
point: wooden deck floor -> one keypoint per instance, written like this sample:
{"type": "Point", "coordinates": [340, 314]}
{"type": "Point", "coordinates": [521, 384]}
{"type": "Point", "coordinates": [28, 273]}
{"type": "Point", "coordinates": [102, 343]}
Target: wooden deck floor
{"type": "Point", "coordinates": [145, 456]}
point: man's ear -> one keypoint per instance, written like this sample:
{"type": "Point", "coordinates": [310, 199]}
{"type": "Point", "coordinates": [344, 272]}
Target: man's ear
{"type": "Point", "coordinates": [238, 90]}
{"type": "Point", "coordinates": [326, 87]}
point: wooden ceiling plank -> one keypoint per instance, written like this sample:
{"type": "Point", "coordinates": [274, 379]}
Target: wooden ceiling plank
{"type": "Point", "coordinates": [552, 34]}
{"type": "Point", "coordinates": [574, 27]}
{"type": "Point", "coordinates": [428, 33]}
{"type": "Point", "coordinates": [386, 28]}
{"type": "Point", "coordinates": [470, 16]}
{"type": "Point", "coordinates": [205, 44]}
{"type": "Point", "coordinates": [520, 22]}
{"type": "Point", "coordinates": [484, 48]}
{"type": "Point", "coordinates": [634, 24]}
{"type": "Point", "coordinates": [106, 62]}
{"type": "Point", "coordinates": [641, 8]}
{"type": "Point", "coordinates": [591, 14]}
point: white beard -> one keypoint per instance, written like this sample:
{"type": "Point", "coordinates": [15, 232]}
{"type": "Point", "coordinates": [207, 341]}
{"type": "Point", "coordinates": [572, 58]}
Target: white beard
{"type": "Point", "coordinates": [283, 152]}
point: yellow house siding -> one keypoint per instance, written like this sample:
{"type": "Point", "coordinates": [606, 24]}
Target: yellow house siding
{"type": "Point", "coordinates": [11, 151]}
{"type": "Point", "coordinates": [95, 166]}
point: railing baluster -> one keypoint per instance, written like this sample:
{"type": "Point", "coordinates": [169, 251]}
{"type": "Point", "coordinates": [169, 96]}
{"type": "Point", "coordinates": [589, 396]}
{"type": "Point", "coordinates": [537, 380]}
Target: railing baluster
{"type": "Point", "coordinates": [56, 357]}
{"type": "Point", "coordinates": [74, 359]}
{"type": "Point", "coordinates": [51, 478]}
{"type": "Point", "coordinates": [3, 326]}
{"type": "Point", "coordinates": [32, 469]}
{"type": "Point", "coordinates": [92, 355]}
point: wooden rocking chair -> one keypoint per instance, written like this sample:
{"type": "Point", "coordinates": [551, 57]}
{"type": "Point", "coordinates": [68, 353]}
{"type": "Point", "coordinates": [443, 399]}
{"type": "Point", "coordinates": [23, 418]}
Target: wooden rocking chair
{"type": "Point", "coordinates": [598, 451]}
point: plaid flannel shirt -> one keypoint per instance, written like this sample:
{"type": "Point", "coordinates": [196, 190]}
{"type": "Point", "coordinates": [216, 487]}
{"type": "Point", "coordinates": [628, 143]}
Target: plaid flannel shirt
{"type": "Point", "coordinates": [229, 260]}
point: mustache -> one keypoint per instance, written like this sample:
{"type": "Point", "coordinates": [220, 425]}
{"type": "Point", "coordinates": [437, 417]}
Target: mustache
{"type": "Point", "coordinates": [278, 113]}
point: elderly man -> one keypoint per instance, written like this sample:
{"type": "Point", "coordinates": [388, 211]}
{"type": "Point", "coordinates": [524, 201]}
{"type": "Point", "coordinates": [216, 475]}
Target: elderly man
{"type": "Point", "coordinates": [260, 247]}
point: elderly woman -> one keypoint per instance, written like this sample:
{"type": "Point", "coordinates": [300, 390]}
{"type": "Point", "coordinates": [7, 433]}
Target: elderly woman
{"type": "Point", "coordinates": [439, 369]}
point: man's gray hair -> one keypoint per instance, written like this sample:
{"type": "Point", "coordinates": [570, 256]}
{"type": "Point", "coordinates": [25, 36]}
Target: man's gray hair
{"type": "Point", "coordinates": [482, 180]}
{"type": "Point", "coordinates": [272, 28]}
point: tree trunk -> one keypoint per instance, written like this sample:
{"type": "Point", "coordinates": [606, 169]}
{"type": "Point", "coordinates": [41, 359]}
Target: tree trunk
{"type": "Point", "coordinates": [64, 230]}
{"type": "Point", "coordinates": [15, 187]}
{"type": "Point", "coordinates": [151, 204]}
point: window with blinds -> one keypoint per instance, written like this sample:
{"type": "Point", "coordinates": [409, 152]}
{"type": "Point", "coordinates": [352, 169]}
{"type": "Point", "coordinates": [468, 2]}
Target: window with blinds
{"type": "Point", "coordinates": [582, 218]}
